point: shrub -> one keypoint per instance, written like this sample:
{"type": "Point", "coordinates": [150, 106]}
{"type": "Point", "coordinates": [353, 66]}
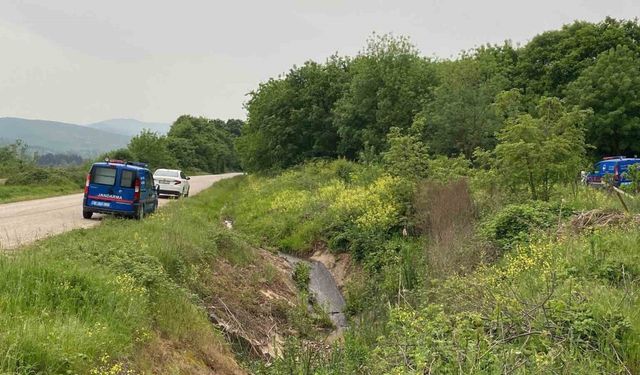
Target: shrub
{"type": "Point", "coordinates": [48, 176]}
{"type": "Point", "coordinates": [302, 276]}
{"type": "Point", "coordinates": [516, 222]}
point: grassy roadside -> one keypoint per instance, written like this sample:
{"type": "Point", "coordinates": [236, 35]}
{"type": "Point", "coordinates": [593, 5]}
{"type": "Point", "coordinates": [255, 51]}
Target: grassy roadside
{"type": "Point", "coordinates": [126, 297]}
{"type": "Point", "coordinates": [17, 193]}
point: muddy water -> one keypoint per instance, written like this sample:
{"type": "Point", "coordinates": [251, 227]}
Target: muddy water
{"type": "Point", "coordinates": [324, 289]}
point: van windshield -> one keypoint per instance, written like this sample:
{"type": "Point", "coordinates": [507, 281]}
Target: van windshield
{"type": "Point", "coordinates": [103, 176]}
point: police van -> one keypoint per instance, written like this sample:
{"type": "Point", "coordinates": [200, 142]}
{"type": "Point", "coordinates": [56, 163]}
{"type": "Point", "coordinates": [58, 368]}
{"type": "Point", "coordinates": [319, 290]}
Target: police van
{"type": "Point", "coordinates": [614, 166]}
{"type": "Point", "coordinates": [120, 188]}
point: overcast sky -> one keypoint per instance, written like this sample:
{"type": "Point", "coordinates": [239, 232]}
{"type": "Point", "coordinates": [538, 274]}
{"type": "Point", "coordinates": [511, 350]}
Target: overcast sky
{"type": "Point", "coordinates": [83, 61]}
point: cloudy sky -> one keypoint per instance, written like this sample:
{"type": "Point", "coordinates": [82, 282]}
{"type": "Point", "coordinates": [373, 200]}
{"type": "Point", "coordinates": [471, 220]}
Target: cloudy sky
{"type": "Point", "coordinates": [83, 61]}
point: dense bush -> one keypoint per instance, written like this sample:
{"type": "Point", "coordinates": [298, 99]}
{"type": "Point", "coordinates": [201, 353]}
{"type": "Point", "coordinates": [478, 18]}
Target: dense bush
{"type": "Point", "coordinates": [48, 176]}
{"type": "Point", "coordinates": [516, 223]}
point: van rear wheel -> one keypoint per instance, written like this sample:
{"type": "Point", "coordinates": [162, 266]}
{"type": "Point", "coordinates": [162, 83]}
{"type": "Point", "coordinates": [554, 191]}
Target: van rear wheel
{"type": "Point", "coordinates": [87, 214]}
{"type": "Point", "coordinates": [140, 212]}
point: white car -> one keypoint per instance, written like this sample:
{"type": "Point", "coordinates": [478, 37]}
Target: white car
{"type": "Point", "coordinates": [172, 182]}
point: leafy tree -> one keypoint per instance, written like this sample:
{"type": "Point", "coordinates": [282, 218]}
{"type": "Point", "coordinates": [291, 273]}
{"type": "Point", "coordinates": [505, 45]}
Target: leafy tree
{"type": "Point", "coordinates": [406, 156]}
{"type": "Point", "coordinates": [234, 127]}
{"type": "Point", "coordinates": [198, 143]}
{"type": "Point", "coordinates": [446, 169]}
{"type": "Point", "coordinates": [290, 119]}
{"type": "Point", "coordinates": [13, 158]}
{"type": "Point", "coordinates": [460, 117]}
{"type": "Point", "coordinates": [539, 152]}
{"type": "Point", "coordinates": [119, 154]}
{"type": "Point", "coordinates": [611, 87]}
{"type": "Point", "coordinates": [389, 85]}
{"type": "Point", "coordinates": [633, 174]}
{"type": "Point", "coordinates": [151, 148]}
{"type": "Point", "coordinates": [553, 59]}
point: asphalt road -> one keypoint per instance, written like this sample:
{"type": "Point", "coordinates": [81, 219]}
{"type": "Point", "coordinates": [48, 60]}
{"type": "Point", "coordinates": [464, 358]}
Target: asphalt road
{"type": "Point", "coordinates": [25, 222]}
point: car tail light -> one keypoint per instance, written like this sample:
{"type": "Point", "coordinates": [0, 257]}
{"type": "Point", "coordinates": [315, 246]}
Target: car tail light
{"type": "Point", "coordinates": [86, 184]}
{"type": "Point", "coordinates": [136, 190]}
{"type": "Point", "coordinates": [616, 173]}
{"type": "Point", "coordinates": [177, 182]}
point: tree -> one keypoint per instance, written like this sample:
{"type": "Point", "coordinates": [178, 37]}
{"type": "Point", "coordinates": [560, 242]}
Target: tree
{"type": "Point", "coordinates": [542, 151]}
{"type": "Point", "coordinates": [460, 117]}
{"type": "Point", "coordinates": [611, 87]}
{"type": "Point", "coordinates": [198, 143]}
{"type": "Point", "coordinates": [291, 119]}
{"type": "Point", "coordinates": [151, 148]}
{"type": "Point", "coordinates": [553, 59]}
{"type": "Point", "coordinates": [14, 158]}
{"type": "Point", "coordinates": [406, 155]}
{"type": "Point", "coordinates": [389, 85]}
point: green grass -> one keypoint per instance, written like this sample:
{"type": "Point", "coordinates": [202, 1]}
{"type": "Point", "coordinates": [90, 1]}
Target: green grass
{"type": "Point", "coordinates": [92, 300]}
{"type": "Point", "coordinates": [16, 193]}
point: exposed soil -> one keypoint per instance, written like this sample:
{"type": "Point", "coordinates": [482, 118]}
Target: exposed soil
{"type": "Point", "coordinates": [250, 303]}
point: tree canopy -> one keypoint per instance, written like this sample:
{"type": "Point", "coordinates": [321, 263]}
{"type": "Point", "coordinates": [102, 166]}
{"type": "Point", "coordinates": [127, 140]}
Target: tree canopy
{"type": "Point", "coordinates": [611, 88]}
{"type": "Point", "coordinates": [347, 106]}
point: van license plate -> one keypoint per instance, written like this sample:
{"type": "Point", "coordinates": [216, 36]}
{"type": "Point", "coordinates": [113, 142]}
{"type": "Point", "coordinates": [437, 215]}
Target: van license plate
{"type": "Point", "coordinates": [100, 204]}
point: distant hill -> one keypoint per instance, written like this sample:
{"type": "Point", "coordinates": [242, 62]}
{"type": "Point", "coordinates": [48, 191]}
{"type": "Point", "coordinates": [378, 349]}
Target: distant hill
{"type": "Point", "coordinates": [129, 127]}
{"type": "Point", "coordinates": [60, 137]}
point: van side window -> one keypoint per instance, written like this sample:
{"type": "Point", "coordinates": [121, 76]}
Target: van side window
{"type": "Point", "coordinates": [103, 176]}
{"type": "Point", "coordinates": [127, 179]}
{"type": "Point", "coordinates": [148, 181]}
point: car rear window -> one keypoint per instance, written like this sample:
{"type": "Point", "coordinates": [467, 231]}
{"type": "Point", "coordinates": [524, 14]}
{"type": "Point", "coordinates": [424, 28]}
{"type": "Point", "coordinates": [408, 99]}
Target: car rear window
{"type": "Point", "coordinates": [127, 180]}
{"type": "Point", "coordinates": [103, 176]}
{"type": "Point", "coordinates": [165, 173]}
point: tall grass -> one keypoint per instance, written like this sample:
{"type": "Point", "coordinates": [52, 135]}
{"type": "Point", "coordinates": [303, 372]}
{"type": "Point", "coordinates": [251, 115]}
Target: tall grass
{"type": "Point", "coordinates": [446, 214]}
{"type": "Point", "coordinates": [94, 300]}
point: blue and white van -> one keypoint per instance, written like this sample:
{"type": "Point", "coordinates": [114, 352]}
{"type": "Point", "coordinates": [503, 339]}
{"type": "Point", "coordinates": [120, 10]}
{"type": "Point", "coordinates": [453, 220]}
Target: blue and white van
{"type": "Point", "coordinates": [615, 166]}
{"type": "Point", "coordinates": [120, 188]}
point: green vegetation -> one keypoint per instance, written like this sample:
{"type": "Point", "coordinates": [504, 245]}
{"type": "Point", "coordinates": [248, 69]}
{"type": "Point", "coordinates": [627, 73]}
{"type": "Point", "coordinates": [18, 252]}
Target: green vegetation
{"type": "Point", "coordinates": [346, 106]}
{"type": "Point", "coordinates": [477, 251]}
{"type": "Point", "coordinates": [10, 193]}
{"type": "Point", "coordinates": [194, 144]}
{"type": "Point", "coordinates": [300, 275]}
{"type": "Point", "coordinates": [526, 287]}
{"type": "Point", "coordinates": [91, 301]}
{"type": "Point", "coordinates": [24, 179]}
{"type": "Point", "coordinates": [450, 187]}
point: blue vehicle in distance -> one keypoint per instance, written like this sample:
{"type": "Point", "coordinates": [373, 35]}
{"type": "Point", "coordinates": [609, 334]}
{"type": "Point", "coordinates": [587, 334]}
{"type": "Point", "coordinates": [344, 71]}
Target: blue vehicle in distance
{"type": "Point", "coordinates": [615, 166]}
{"type": "Point", "coordinates": [120, 188]}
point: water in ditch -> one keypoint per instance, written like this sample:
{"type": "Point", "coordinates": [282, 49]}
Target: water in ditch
{"type": "Point", "coordinates": [325, 290]}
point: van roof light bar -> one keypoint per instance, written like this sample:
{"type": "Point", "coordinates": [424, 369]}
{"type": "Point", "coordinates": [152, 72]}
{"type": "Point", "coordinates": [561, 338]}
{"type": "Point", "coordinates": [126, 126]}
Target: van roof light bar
{"type": "Point", "coordinates": [138, 164]}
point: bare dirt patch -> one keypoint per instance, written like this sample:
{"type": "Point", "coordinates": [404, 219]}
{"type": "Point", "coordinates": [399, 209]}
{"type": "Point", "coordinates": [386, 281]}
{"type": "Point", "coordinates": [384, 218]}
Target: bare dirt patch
{"type": "Point", "coordinates": [250, 303]}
